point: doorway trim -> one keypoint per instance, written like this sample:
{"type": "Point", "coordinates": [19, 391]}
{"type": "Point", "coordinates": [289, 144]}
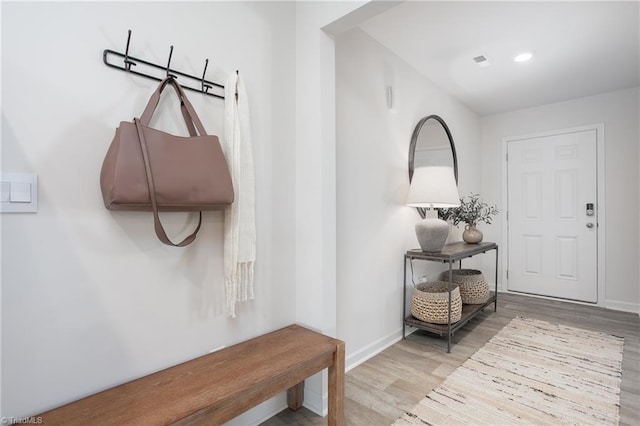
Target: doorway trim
{"type": "Point", "coordinates": [600, 177]}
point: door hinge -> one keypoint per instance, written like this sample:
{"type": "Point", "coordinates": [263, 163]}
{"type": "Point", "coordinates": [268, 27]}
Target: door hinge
{"type": "Point", "coordinates": [507, 274]}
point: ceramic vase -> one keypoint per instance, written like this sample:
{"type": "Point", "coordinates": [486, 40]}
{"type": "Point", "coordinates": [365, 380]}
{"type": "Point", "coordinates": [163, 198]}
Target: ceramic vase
{"type": "Point", "coordinates": [471, 234]}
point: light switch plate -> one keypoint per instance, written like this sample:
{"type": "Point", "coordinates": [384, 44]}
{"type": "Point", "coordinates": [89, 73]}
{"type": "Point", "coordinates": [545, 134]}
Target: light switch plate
{"type": "Point", "coordinates": [5, 192]}
{"type": "Point", "coordinates": [19, 193]}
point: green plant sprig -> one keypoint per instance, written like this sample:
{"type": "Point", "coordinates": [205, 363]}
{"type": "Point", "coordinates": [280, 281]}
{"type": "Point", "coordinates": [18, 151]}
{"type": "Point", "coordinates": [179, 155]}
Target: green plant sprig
{"type": "Point", "coordinates": [472, 210]}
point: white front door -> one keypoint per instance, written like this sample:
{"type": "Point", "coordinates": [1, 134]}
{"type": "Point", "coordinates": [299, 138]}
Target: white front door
{"type": "Point", "coordinates": [553, 215]}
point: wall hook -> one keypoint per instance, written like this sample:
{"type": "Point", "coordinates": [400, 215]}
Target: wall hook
{"type": "Point", "coordinates": [205, 87]}
{"type": "Point", "coordinates": [146, 69]}
{"type": "Point", "coordinates": [169, 63]}
{"type": "Point", "coordinates": [127, 61]}
{"type": "Point", "coordinates": [238, 74]}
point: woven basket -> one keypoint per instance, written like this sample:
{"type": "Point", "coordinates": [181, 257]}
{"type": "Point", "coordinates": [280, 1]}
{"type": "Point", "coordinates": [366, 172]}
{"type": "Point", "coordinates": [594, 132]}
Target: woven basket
{"type": "Point", "coordinates": [430, 303]}
{"type": "Point", "coordinates": [474, 289]}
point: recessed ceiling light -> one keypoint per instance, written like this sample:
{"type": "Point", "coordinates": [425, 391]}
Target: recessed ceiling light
{"type": "Point", "coordinates": [523, 57]}
{"type": "Point", "coordinates": [481, 60]}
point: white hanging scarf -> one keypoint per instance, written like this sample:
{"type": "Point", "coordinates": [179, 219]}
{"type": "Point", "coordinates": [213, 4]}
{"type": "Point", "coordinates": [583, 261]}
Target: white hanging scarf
{"type": "Point", "coordinates": [240, 217]}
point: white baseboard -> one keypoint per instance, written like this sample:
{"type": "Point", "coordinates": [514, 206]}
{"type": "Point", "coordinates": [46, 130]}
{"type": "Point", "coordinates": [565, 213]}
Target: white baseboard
{"type": "Point", "coordinates": [622, 306]}
{"type": "Point", "coordinates": [315, 402]}
{"type": "Point", "coordinates": [372, 349]}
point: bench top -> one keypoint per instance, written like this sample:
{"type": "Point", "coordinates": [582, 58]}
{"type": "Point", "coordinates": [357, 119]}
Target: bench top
{"type": "Point", "coordinates": [215, 383]}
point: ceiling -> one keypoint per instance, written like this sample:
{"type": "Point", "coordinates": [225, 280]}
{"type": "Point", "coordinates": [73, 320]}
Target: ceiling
{"type": "Point", "coordinates": [580, 48]}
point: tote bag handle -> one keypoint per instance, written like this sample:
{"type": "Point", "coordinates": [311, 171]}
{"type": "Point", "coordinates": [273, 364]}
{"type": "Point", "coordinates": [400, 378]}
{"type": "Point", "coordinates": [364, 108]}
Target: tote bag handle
{"type": "Point", "coordinates": [160, 232]}
{"type": "Point", "coordinates": [188, 112]}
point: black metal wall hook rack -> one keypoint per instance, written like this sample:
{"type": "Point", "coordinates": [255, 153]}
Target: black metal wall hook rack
{"type": "Point", "coordinates": [128, 62]}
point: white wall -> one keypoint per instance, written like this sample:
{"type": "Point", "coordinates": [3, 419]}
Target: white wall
{"type": "Point", "coordinates": [374, 228]}
{"type": "Point", "coordinates": [91, 298]}
{"type": "Point", "coordinates": [315, 186]}
{"type": "Point", "coordinates": [619, 111]}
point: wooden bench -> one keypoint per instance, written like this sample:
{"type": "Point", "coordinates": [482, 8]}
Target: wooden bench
{"type": "Point", "coordinates": [217, 387]}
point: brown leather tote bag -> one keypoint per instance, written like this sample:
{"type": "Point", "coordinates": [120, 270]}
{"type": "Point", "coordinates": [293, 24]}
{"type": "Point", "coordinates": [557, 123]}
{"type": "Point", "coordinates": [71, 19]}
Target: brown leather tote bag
{"type": "Point", "coordinates": [146, 169]}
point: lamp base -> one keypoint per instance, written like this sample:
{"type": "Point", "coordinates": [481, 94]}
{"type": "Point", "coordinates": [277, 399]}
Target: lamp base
{"type": "Point", "coordinates": [432, 234]}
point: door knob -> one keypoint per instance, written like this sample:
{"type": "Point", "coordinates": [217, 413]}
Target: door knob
{"type": "Point", "coordinates": [589, 225]}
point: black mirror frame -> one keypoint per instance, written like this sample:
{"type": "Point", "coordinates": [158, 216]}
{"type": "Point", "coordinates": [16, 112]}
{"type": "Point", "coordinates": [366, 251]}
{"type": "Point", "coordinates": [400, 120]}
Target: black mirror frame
{"type": "Point", "coordinates": [412, 150]}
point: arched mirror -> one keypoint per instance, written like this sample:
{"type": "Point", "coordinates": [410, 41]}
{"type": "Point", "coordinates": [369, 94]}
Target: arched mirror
{"type": "Point", "coordinates": [432, 145]}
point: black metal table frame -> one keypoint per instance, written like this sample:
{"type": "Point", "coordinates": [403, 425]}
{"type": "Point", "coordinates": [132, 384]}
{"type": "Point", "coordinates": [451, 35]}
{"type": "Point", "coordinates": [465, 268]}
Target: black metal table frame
{"type": "Point", "coordinates": [450, 254]}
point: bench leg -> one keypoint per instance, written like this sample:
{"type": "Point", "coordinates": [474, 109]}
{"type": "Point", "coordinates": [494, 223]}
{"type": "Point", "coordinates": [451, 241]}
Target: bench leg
{"type": "Point", "coordinates": [336, 388]}
{"type": "Point", "coordinates": [295, 396]}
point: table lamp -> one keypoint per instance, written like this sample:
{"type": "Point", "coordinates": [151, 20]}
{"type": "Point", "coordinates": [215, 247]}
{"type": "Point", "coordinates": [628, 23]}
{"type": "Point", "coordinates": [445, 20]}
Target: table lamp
{"type": "Point", "coordinates": [432, 188]}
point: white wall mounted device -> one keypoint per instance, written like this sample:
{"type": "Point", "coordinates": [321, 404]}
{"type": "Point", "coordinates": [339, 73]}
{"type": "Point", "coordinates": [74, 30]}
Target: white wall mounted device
{"type": "Point", "coordinates": [18, 193]}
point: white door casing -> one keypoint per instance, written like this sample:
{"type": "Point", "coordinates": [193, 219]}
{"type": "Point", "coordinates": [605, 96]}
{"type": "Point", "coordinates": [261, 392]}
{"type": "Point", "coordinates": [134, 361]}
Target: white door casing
{"type": "Point", "coordinates": [551, 250]}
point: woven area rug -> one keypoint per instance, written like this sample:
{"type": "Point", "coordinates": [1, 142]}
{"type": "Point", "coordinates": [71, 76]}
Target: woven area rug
{"type": "Point", "coordinates": [531, 372]}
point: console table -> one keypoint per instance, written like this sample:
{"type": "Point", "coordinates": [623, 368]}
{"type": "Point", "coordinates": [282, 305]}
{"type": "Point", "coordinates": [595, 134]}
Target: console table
{"type": "Point", "coordinates": [451, 253]}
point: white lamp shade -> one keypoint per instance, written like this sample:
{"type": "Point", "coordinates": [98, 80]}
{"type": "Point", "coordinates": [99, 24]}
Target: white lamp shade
{"type": "Point", "coordinates": [433, 187]}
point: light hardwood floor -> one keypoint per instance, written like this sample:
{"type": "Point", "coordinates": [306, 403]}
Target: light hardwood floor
{"type": "Point", "coordinates": [380, 390]}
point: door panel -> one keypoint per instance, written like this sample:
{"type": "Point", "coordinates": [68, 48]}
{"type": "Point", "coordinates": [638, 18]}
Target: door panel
{"type": "Point", "coordinates": [550, 180]}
